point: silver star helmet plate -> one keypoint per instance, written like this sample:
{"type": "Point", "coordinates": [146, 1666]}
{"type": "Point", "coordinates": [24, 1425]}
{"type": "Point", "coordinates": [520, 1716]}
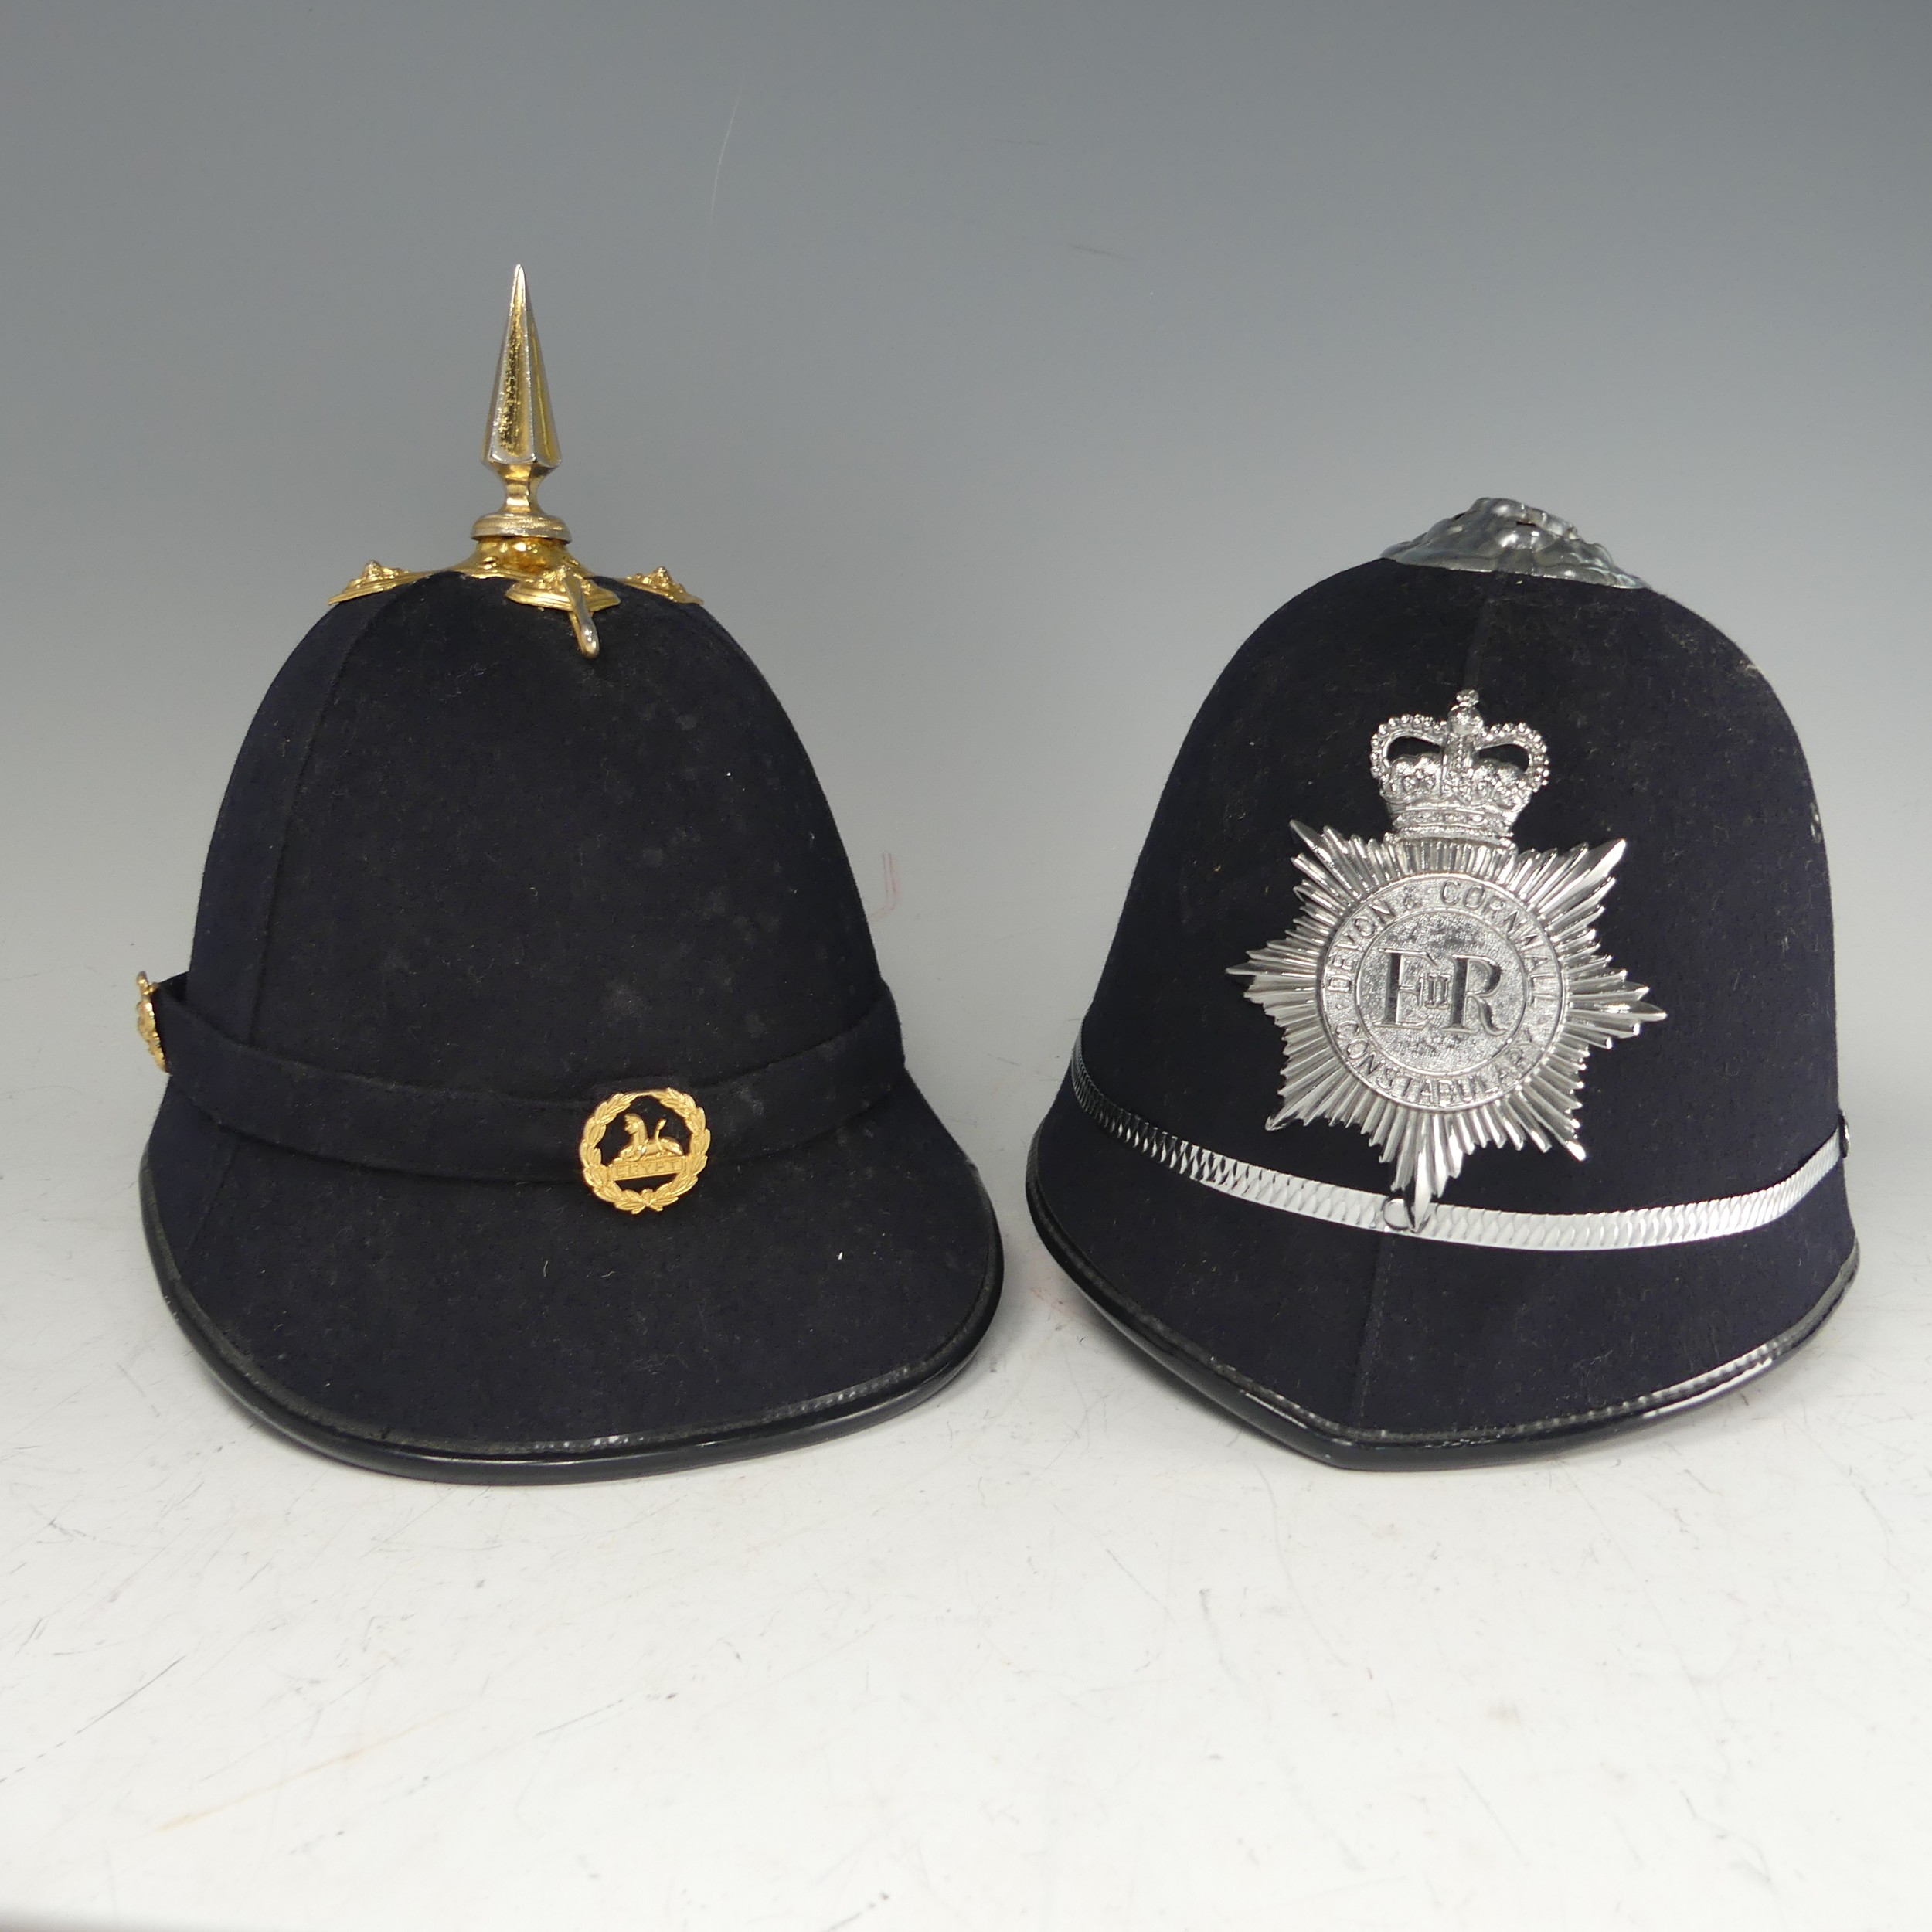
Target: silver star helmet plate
{"type": "Point", "coordinates": [1441, 989]}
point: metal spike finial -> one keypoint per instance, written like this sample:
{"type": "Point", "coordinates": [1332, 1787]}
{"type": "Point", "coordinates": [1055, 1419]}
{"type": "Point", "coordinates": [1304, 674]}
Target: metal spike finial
{"type": "Point", "coordinates": [521, 542]}
{"type": "Point", "coordinates": [520, 443]}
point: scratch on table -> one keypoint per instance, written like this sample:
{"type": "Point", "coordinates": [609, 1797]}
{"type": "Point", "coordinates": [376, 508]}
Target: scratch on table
{"type": "Point", "coordinates": [1495, 1818]}
{"type": "Point", "coordinates": [1228, 1671]}
{"type": "Point", "coordinates": [99, 1718]}
{"type": "Point", "coordinates": [583, 1717]}
{"type": "Point", "coordinates": [154, 1408]}
{"type": "Point", "coordinates": [294, 1777]}
{"type": "Point", "coordinates": [1288, 1574]}
{"type": "Point", "coordinates": [1150, 1595]}
{"type": "Point", "coordinates": [1757, 1865]}
{"type": "Point", "coordinates": [852, 1918]}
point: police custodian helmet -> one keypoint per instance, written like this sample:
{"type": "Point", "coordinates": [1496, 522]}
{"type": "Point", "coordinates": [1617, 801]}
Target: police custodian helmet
{"type": "Point", "coordinates": [535, 1107]}
{"type": "Point", "coordinates": [1321, 1148]}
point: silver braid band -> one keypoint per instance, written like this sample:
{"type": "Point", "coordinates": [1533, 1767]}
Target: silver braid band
{"type": "Point", "coordinates": [1654, 1227]}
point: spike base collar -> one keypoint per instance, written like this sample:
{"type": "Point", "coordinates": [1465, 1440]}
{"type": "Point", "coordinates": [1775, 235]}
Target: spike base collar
{"type": "Point", "coordinates": [541, 572]}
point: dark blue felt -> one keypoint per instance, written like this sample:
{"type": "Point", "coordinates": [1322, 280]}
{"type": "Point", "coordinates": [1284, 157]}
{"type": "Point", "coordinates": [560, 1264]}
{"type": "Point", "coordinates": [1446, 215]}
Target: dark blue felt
{"type": "Point", "coordinates": [455, 853]}
{"type": "Point", "coordinates": [1661, 733]}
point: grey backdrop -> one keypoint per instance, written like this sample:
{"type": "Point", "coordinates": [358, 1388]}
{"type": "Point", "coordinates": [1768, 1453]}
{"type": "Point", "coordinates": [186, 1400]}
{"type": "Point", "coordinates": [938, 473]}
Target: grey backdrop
{"type": "Point", "coordinates": [992, 370]}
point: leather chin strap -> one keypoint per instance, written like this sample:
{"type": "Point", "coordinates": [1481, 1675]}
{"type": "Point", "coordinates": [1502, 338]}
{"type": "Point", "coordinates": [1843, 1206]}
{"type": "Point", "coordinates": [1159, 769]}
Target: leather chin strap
{"type": "Point", "coordinates": [456, 1134]}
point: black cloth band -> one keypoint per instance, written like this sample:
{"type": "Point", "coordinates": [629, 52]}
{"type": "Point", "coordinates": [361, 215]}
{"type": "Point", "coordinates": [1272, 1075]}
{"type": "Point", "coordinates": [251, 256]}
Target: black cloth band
{"type": "Point", "coordinates": [466, 1136]}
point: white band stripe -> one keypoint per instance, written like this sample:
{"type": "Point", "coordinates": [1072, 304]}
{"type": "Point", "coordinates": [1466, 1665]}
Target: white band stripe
{"type": "Point", "coordinates": [1654, 1227]}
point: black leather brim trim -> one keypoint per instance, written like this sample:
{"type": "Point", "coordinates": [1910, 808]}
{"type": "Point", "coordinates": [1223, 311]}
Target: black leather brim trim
{"type": "Point", "coordinates": [1301, 1429]}
{"type": "Point", "coordinates": [818, 1421]}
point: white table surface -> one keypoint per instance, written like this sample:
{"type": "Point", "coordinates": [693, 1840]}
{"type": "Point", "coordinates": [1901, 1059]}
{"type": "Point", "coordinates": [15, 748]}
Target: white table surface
{"type": "Point", "coordinates": [1064, 1647]}
{"type": "Point", "coordinates": [992, 371]}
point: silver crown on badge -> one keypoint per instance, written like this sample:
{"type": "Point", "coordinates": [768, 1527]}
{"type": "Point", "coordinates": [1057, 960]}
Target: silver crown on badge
{"type": "Point", "coordinates": [1441, 989]}
{"type": "Point", "coordinates": [1453, 777]}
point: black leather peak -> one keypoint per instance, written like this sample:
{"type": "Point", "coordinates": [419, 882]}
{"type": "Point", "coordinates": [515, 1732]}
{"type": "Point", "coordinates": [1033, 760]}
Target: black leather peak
{"type": "Point", "coordinates": [462, 1135]}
